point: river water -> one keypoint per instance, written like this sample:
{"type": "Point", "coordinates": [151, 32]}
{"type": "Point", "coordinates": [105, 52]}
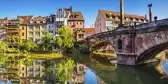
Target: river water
{"type": "Point", "coordinates": [20, 69]}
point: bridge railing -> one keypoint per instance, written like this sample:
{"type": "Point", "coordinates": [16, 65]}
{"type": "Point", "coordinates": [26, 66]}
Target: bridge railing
{"type": "Point", "coordinates": [153, 24]}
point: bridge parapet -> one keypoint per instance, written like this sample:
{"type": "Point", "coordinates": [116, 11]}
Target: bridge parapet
{"type": "Point", "coordinates": [155, 24]}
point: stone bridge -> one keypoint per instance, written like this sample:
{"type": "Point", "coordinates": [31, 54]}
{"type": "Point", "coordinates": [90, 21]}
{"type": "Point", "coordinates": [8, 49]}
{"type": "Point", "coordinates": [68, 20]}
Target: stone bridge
{"type": "Point", "coordinates": [135, 44]}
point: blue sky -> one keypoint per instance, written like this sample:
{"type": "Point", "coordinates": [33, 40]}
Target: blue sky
{"type": "Point", "coordinates": [89, 8]}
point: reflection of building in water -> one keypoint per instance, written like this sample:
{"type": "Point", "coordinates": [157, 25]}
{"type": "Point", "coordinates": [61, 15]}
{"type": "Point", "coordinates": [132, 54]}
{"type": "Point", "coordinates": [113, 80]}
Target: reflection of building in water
{"type": "Point", "coordinates": [20, 73]}
{"type": "Point", "coordinates": [78, 74]}
{"type": "Point", "coordinates": [162, 67]}
{"type": "Point", "coordinates": [4, 79]}
{"type": "Point", "coordinates": [100, 81]}
{"type": "Point", "coordinates": [160, 70]}
{"type": "Point", "coordinates": [34, 73]}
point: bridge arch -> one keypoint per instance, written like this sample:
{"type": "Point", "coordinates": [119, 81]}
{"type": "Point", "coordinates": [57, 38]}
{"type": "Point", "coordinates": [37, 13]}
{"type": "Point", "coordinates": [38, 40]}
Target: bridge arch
{"type": "Point", "coordinates": [101, 45]}
{"type": "Point", "coordinates": [152, 52]}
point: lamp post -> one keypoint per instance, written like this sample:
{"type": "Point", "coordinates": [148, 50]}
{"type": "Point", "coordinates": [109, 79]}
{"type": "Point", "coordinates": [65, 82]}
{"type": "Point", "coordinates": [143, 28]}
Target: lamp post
{"type": "Point", "coordinates": [150, 12]}
{"type": "Point", "coordinates": [122, 22]}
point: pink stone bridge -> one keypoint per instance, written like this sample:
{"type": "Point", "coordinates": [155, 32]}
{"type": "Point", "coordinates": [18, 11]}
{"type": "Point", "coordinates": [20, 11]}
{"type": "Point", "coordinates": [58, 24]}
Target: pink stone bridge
{"type": "Point", "coordinates": [135, 44]}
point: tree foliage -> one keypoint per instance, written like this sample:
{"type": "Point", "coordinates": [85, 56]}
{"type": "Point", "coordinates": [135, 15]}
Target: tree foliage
{"type": "Point", "coordinates": [3, 46]}
{"type": "Point", "coordinates": [64, 70]}
{"type": "Point", "coordinates": [65, 39]}
{"type": "Point", "coordinates": [27, 46]}
{"type": "Point", "coordinates": [46, 42]}
{"type": "Point", "coordinates": [83, 48]}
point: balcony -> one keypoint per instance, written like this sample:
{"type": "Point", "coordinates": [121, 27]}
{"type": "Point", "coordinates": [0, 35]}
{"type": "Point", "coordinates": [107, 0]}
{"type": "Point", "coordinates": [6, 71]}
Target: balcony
{"type": "Point", "coordinates": [31, 75]}
{"type": "Point", "coordinates": [13, 31]}
{"type": "Point", "coordinates": [37, 75]}
{"type": "Point", "coordinates": [37, 69]}
{"type": "Point", "coordinates": [30, 69]}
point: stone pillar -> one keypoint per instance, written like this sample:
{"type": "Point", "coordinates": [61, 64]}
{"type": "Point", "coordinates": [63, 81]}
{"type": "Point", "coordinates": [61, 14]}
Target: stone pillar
{"type": "Point", "coordinates": [122, 22]}
{"type": "Point", "coordinates": [126, 58]}
{"type": "Point", "coordinates": [150, 12]}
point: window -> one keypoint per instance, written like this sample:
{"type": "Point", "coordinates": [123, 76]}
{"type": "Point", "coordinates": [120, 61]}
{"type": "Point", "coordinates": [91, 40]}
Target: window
{"type": "Point", "coordinates": [22, 74]}
{"type": "Point", "coordinates": [37, 63]}
{"type": "Point", "coordinates": [37, 27]}
{"type": "Point", "coordinates": [44, 27]}
{"type": "Point", "coordinates": [81, 36]}
{"type": "Point", "coordinates": [37, 75]}
{"type": "Point", "coordinates": [30, 74]}
{"type": "Point", "coordinates": [30, 33]}
{"type": "Point", "coordinates": [109, 22]}
{"type": "Point", "coordinates": [31, 27]}
{"type": "Point", "coordinates": [37, 69]}
{"type": "Point", "coordinates": [109, 28]}
{"type": "Point", "coordinates": [80, 23]}
{"type": "Point", "coordinates": [119, 44]}
{"type": "Point", "coordinates": [77, 23]}
{"type": "Point", "coordinates": [50, 20]}
{"type": "Point", "coordinates": [37, 34]}
{"type": "Point", "coordinates": [30, 38]}
{"type": "Point", "coordinates": [22, 68]}
{"type": "Point", "coordinates": [30, 69]}
{"type": "Point", "coordinates": [51, 31]}
{"type": "Point", "coordinates": [22, 34]}
{"type": "Point", "coordinates": [43, 33]}
{"type": "Point", "coordinates": [44, 21]}
{"type": "Point", "coordinates": [22, 28]}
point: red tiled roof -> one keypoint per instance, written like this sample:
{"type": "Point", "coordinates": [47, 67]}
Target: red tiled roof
{"type": "Point", "coordinates": [25, 19]}
{"type": "Point", "coordinates": [39, 18]}
{"type": "Point", "coordinates": [89, 30]}
{"type": "Point", "coordinates": [4, 20]}
{"type": "Point", "coordinates": [76, 16]}
{"type": "Point", "coordinates": [107, 12]}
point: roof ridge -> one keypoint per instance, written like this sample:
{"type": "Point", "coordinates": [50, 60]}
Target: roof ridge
{"type": "Point", "coordinates": [118, 14]}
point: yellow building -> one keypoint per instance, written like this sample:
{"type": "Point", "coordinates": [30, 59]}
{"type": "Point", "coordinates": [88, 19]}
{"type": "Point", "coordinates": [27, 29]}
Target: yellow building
{"type": "Point", "coordinates": [34, 70]}
{"type": "Point", "coordinates": [24, 20]}
{"type": "Point", "coordinates": [13, 33]}
{"type": "Point", "coordinates": [37, 28]}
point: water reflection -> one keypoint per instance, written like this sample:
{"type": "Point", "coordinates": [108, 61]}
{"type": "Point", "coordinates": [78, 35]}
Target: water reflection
{"type": "Point", "coordinates": [22, 69]}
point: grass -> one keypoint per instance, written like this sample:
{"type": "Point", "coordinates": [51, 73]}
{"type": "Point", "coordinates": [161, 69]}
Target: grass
{"type": "Point", "coordinates": [46, 56]}
{"type": "Point", "coordinates": [104, 54]}
{"type": "Point", "coordinates": [36, 56]}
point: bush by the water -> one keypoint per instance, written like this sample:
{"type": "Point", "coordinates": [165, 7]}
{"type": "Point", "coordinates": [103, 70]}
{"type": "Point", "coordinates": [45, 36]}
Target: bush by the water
{"type": "Point", "coordinates": [83, 48]}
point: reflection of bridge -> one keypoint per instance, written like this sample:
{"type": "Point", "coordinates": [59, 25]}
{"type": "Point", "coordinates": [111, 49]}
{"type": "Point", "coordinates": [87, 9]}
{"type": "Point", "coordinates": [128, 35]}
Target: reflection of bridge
{"type": "Point", "coordinates": [134, 44]}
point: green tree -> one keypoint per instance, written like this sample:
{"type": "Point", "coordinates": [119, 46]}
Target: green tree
{"type": "Point", "coordinates": [65, 39]}
{"type": "Point", "coordinates": [64, 70]}
{"type": "Point", "coordinates": [83, 48]}
{"type": "Point", "coordinates": [46, 42]}
{"type": "Point", "coordinates": [3, 46]}
{"type": "Point", "coordinates": [27, 46]}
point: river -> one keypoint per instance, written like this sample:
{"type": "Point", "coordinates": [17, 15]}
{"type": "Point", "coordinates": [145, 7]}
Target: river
{"type": "Point", "coordinates": [87, 70]}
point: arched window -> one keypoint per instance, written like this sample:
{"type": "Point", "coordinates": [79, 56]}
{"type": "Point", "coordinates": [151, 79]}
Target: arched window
{"type": "Point", "coordinates": [119, 44]}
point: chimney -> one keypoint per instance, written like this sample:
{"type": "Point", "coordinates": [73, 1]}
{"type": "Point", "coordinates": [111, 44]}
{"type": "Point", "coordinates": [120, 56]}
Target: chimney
{"type": "Point", "coordinates": [71, 9]}
{"type": "Point", "coordinates": [122, 22]}
{"type": "Point", "coordinates": [145, 17]}
{"type": "Point", "coordinates": [150, 12]}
